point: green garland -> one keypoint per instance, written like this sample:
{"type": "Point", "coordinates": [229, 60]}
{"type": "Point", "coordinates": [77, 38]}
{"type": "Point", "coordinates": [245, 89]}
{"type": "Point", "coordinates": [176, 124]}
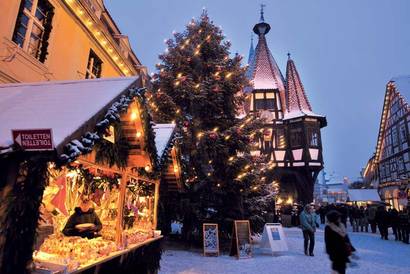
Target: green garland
{"type": "Point", "coordinates": [20, 214]}
{"type": "Point", "coordinates": [149, 135]}
{"type": "Point", "coordinates": [113, 153]}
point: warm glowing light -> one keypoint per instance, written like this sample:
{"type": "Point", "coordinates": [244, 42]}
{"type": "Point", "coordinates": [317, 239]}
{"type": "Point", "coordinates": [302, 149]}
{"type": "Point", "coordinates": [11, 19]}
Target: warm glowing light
{"type": "Point", "coordinates": [289, 201]}
{"type": "Point", "coordinates": [228, 75]}
{"type": "Point", "coordinates": [138, 134]}
{"type": "Point", "coordinates": [175, 169]}
{"type": "Point", "coordinates": [215, 129]}
{"type": "Point", "coordinates": [279, 201]}
{"type": "Point", "coordinates": [199, 135]}
{"type": "Point", "coordinates": [227, 137]}
{"type": "Point", "coordinates": [231, 159]}
{"type": "Point", "coordinates": [134, 115]}
{"type": "Point", "coordinates": [179, 75]}
{"type": "Point", "coordinates": [147, 168]}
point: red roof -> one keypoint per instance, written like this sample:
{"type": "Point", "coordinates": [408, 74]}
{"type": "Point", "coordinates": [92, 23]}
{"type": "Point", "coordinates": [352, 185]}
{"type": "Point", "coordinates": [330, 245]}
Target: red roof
{"type": "Point", "coordinates": [296, 99]}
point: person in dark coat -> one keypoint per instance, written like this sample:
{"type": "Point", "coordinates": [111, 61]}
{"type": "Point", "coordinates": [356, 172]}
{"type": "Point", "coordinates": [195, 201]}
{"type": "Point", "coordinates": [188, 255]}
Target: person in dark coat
{"type": "Point", "coordinates": [343, 214]}
{"type": "Point", "coordinates": [394, 222]}
{"type": "Point", "coordinates": [404, 226]}
{"type": "Point", "coordinates": [337, 242]}
{"type": "Point", "coordinates": [84, 214]}
{"type": "Point", "coordinates": [372, 218]}
{"type": "Point", "coordinates": [382, 220]}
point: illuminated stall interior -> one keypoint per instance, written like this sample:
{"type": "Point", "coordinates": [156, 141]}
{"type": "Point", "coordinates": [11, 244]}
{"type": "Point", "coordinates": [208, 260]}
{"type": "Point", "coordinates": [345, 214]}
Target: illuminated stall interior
{"type": "Point", "coordinates": [106, 154]}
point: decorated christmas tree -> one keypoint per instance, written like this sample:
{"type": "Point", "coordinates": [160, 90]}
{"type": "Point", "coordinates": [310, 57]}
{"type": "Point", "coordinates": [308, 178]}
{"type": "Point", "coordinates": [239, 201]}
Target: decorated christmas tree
{"type": "Point", "coordinates": [198, 86]}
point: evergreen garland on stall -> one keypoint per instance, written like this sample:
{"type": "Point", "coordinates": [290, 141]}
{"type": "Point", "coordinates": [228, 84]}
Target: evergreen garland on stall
{"type": "Point", "coordinates": [86, 143]}
{"type": "Point", "coordinates": [113, 153]}
{"type": "Point", "coordinates": [19, 211]}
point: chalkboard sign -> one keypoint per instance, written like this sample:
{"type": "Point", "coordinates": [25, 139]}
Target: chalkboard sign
{"type": "Point", "coordinates": [241, 240]}
{"type": "Point", "coordinates": [211, 240]}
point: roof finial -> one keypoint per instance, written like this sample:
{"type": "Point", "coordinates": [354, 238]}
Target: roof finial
{"type": "Point", "coordinates": [262, 19]}
{"type": "Point", "coordinates": [288, 55]}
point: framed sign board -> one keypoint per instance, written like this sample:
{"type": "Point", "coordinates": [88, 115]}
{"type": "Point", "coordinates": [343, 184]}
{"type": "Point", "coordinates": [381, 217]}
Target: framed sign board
{"type": "Point", "coordinates": [211, 239]}
{"type": "Point", "coordinates": [241, 240]}
{"type": "Point", "coordinates": [274, 238]}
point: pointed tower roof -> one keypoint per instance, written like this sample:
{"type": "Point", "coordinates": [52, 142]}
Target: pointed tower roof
{"type": "Point", "coordinates": [296, 99]}
{"type": "Point", "coordinates": [297, 103]}
{"type": "Point", "coordinates": [263, 71]}
{"type": "Point", "coordinates": [251, 51]}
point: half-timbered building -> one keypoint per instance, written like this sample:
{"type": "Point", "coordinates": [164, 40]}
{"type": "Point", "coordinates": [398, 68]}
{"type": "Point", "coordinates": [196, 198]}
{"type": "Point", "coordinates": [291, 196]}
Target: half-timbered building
{"type": "Point", "coordinates": [390, 166]}
{"type": "Point", "coordinates": [291, 139]}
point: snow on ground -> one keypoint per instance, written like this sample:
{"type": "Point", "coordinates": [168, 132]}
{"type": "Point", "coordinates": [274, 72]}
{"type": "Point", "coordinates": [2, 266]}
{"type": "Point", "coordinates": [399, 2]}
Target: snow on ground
{"type": "Point", "coordinates": [376, 256]}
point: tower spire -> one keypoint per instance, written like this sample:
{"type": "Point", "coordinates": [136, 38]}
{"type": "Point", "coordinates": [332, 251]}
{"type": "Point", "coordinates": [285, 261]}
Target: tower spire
{"type": "Point", "coordinates": [297, 100]}
{"type": "Point", "coordinates": [261, 28]}
{"type": "Point", "coordinates": [251, 51]}
{"type": "Point", "coordinates": [262, 19]}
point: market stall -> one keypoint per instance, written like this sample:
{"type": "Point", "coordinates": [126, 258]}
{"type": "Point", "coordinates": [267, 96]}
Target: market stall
{"type": "Point", "coordinates": [93, 206]}
{"type": "Point", "coordinates": [362, 197]}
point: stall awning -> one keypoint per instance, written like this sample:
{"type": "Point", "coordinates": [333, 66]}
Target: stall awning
{"type": "Point", "coordinates": [163, 135]}
{"type": "Point", "coordinates": [363, 195]}
{"type": "Point", "coordinates": [63, 106]}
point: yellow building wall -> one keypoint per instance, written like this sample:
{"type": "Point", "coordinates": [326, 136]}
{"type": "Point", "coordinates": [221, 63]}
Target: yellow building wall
{"type": "Point", "coordinates": [68, 51]}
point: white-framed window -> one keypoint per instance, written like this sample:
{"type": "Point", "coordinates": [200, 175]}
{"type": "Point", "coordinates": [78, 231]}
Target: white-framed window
{"type": "Point", "coordinates": [33, 27]}
{"type": "Point", "coordinates": [94, 66]}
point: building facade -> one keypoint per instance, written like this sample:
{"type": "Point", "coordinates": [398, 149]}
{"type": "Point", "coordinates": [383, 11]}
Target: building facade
{"type": "Point", "coordinates": [42, 40]}
{"type": "Point", "coordinates": [389, 168]}
{"type": "Point", "coordinates": [291, 140]}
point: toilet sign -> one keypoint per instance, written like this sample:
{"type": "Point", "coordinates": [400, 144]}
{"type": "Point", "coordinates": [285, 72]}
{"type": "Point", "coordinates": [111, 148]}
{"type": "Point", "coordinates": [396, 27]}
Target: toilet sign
{"type": "Point", "coordinates": [33, 139]}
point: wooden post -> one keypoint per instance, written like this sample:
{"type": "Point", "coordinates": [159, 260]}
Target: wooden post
{"type": "Point", "coordinates": [156, 199]}
{"type": "Point", "coordinates": [120, 207]}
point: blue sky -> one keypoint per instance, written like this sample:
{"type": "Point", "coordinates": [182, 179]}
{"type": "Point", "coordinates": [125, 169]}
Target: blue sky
{"type": "Point", "coordinates": [345, 51]}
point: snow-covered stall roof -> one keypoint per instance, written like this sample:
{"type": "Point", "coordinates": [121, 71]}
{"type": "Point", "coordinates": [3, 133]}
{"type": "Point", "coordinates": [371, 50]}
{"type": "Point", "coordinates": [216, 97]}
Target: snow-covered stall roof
{"type": "Point", "coordinates": [364, 195]}
{"type": "Point", "coordinates": [163, 135]}
{"type": "Point", "coordinates": [63, 106]}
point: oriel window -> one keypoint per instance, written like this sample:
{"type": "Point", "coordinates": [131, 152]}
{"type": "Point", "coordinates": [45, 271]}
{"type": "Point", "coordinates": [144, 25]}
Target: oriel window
{"type": "Point", "coordinates": [94, 66]}
{"type": "Point", "coordinates": [296, 137]}
{"type": "Point", "coordinates": [313, 135]}
{"type": "Point", "coordinates": [33, 27]}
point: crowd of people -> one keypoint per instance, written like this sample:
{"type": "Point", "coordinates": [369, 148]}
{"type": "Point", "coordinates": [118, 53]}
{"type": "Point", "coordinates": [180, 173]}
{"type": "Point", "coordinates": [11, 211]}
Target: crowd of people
{"type": "Point", "coordinates": [336, 217]}
{"type": "Point", "coordinates": [373, 216]}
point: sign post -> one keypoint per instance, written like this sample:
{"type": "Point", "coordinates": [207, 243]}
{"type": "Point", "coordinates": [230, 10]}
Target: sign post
{"type": "Point", "coordinates": [211, 240]}
{"type": "Point", "coordinates": [274, 238]}
{"type": "Point", "coordinates": [241, 240]}
{"type": "Point", "coordinates": [33, 139]}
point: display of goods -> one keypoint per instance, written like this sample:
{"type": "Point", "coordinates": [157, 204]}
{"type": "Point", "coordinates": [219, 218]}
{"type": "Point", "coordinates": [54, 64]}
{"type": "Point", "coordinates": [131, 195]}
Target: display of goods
{"type": "Point", "coordinates": [77, 249]}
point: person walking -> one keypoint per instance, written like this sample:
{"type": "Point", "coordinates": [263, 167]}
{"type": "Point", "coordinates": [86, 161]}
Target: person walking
{"type": "Point", "coordinates": [337, 242]}
{"type": "Point", "coordinates": [322, 213]}
{"type": "Point", "coordinates": [308, 222]}
{"type": "Point", "coordinates": [372, 217]}
{"type": "Point", "coordinates": [382, 220]}
{"type": "Point", "coordinates": [394, 222]}
{"type": "Point", "coordinates": [404, 226]}
{"type": "Point", "coordinates": [355, 218]}
{"type": "Point", "coordinates": [364, 223]}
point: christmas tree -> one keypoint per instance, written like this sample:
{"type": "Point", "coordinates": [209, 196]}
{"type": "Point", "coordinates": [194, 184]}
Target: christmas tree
{"type": "Point", "coordinates": [199, 86]}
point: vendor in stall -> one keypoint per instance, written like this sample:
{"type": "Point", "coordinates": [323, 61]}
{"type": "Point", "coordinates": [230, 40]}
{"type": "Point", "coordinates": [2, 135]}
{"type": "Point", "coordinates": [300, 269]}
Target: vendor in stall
{"type": "Point", "coordinates": [84, 221]}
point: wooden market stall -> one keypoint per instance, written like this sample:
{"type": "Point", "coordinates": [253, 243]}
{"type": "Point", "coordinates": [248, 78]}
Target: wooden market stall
{"type": "Point", "coordinates": [104, 152]}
